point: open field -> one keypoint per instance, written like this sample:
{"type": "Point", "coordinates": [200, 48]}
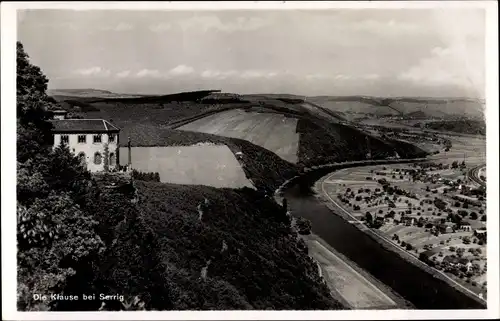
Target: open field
{"type": "Point", "coordinates": [204, 164]}
{"type": "Point", "coordinates": [306, 136]}
{"type": "Point", "coordinates": [274, 132]}
{"type": "Point", "coordinates": [360, 107]}
{"type": "Point", "coordinates": [427, 210]}
{"type": "Point", "coordinates": [421, 107]}
{"type": "Point", "coordinates": [343, 280]}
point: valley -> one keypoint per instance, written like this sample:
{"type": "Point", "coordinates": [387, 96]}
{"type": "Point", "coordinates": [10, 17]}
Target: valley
{"type": "Point", "coordinates": [261, 141]}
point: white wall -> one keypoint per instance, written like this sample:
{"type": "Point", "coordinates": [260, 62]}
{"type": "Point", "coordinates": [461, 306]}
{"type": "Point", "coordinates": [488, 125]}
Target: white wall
{"type": "Point", "coordinates": [89, 148]}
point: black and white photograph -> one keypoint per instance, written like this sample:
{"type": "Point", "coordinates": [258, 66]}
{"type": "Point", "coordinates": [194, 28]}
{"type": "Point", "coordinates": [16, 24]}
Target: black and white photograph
{"type": "Point", "coordinates": [325, 158]}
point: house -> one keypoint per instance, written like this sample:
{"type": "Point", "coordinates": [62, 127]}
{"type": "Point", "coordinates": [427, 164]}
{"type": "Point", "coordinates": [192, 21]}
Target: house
{"type": "Point", "coordinates": [408, 221]}
{"type": "Point", "coordinates": [480, 234]}
{"type": "Point", "coordinates": [95, 141]}
{"type": "Point", "coordinates": [446, 227]}
{"type": "Point", "coordinates": [456, 261]}
{"type": "Point", "coordinates": [450, 259]}
{"type": "Point", "coordinates": [59, 114]}
{"type": "Point", "coordinates": [465, 226]}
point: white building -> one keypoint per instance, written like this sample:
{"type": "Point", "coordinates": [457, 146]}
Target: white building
{"type": "Point", "coordinates": [89, 138]}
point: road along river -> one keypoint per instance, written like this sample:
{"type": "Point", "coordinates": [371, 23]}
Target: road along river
{"type": "Point", "coordinates": [421, 288]}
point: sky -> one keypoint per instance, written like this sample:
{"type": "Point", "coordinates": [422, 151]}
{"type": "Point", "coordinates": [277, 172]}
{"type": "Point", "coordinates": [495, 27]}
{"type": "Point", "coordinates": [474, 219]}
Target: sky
{"type": "Point", "coordinates": [380, 52]}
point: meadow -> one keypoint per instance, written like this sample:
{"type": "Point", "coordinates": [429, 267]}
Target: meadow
{"type": "Point", "coordinates": [274, 132]}
{"type": "Point", "coordinates": [201, 164]}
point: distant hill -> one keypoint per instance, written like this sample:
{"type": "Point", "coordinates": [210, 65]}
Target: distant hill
{"type": "Point", "coordinates": [464, 126]}
{"type": "Point", "coordinates": [400, 106]}
{"type": "Point", "coordinates": [293, 131]}
{"type": "Point", "coordinates": [86, 93]}
{"type": "Point", "coordinates": [78, 91]}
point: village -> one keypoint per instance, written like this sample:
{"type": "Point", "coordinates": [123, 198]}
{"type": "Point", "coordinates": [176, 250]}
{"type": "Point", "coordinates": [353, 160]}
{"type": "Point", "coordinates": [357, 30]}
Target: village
{"type": "Point", "coordinates": [435, 211]}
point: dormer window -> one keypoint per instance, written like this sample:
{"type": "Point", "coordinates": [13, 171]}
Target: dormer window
{"type": "Point", "coordinates": [97, 139]}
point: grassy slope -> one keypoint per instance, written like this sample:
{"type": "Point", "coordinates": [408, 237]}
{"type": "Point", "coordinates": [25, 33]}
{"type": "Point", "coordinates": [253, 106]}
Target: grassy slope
{"type": "Point", "coordinates": [335, 142]}
{"type": "Point", "coordinates": [157, 248]}
{"type": "Point", "coordinates": [465, 126]}
{"type": "Point", "coordinates": [263, 167]}
{"type": "Point", "coordinates": [262, 262]}
{"type": "Point", "coordinates": [146, 124]}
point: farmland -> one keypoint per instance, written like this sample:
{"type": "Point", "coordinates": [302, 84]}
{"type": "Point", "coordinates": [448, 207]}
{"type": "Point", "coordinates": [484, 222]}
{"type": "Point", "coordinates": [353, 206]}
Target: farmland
{"type": "Point", "coordinates": [273, 132]}
{"type": "Point", "coordinates": [202, 164]}
{"type": "Point", "coordinates": [303, 136]}
{"type": "Point", "coordinates": [432, 210]}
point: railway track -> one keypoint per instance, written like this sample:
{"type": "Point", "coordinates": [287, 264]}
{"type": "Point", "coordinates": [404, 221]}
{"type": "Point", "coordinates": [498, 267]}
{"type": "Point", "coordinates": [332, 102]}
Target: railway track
{"type": "Point", "coordinates": [473, 173]}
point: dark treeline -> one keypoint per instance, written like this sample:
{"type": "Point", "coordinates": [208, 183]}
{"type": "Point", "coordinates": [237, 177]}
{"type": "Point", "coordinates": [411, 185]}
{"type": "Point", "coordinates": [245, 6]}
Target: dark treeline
{"type": "Point", "coordinates": [147, 177]}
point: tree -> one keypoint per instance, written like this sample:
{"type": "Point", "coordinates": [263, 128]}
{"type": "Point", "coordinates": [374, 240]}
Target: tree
{"type": "Point", "coordinates": [33, 131]}
{"type": "Point", "coordinates": [54, 237]}
{"type": "Point", "coordinates": [56, 231]}
{"type": "Point", "coordinates": [369, 218]}
{"type": "Point", "coordinates": [303, 226]}
{"type": "Point", "coordinates": [454, 165]}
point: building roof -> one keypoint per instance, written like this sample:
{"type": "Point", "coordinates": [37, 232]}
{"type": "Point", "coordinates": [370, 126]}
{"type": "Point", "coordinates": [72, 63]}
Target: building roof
{"type": "Point", "coordinates": [83, 126]}
{"type": "Point", "coordinates": [59, 111]}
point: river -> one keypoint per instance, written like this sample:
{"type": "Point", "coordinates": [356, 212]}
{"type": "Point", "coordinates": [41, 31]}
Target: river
{"type": "Point", "coordinates": [414, 284]}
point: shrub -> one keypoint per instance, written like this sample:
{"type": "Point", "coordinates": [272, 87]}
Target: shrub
{"type": "Point", "coordinates": [304, 226]}
{"type": "Point", "coordinates": [144, 176]}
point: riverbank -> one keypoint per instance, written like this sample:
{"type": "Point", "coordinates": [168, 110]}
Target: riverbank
{"type": "Point", "coordinates": [387, 244]}
{"type": "Point", "coordinates": [349, 284]}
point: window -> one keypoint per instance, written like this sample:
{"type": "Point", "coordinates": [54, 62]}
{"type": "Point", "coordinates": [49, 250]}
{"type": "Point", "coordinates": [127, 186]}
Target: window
{"type": "Point", "coordinates": [112, 159]}
{"type": "Point", "coordinates": [81, 156]}
{"type": "Point", "coordinates": [111, 138]}
{"type": "Point", "coordinates": [64, 139]}
{"type": "Point", "coordinates": [97, 138]}
{"type": "Point", "coordinates": [82, 139]}
{"type": "Point", "coordinates": [97, 158]}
